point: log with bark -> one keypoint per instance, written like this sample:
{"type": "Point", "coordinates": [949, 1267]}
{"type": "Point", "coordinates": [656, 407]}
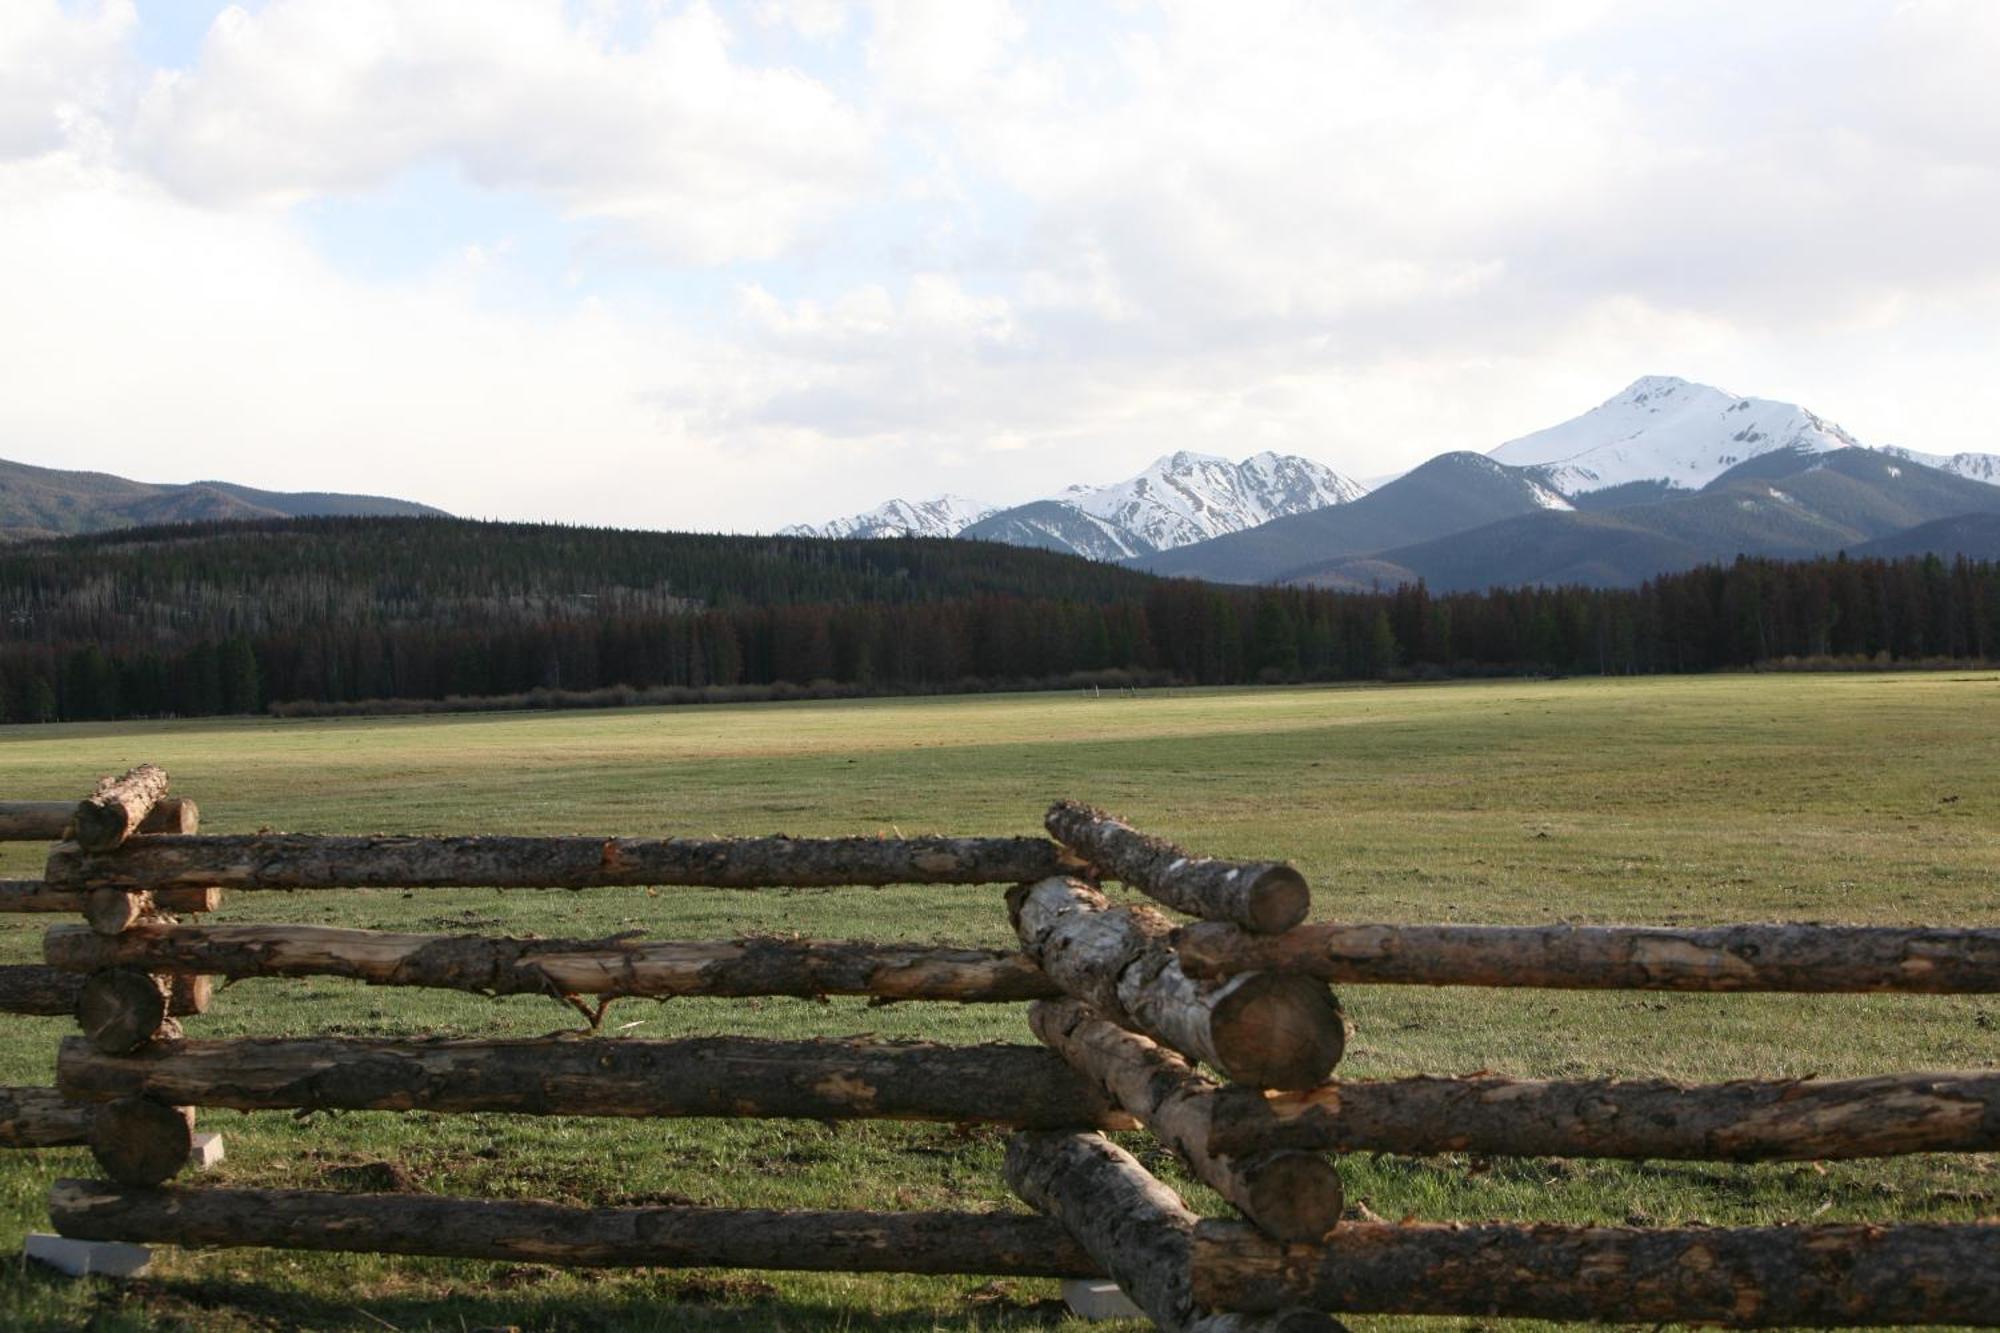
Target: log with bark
{"type": "Point", "coordinates": [1753, 1277]}
{"type": "Point", "coordinates": [141, 1141]}
{"type": "Point", "coordinates": [694, 1076]}
{"type": "Point", "coordinates": [52, 821]}
{"type": "Point", "coordinates": [308, 861]}
{"type": "Point", "coordinates": [1776, 957]}
{"type": "Point", "coordinates": [31, 988]}
{"type": "Point", "coordinates": [1263, 896]}
{"type": "Point", "coordinates": [1290, 1194]}
{"type": "Point", "coordinates": [34, 895]}
{"type": "Point", "coordinates": [1135, 1228]}
{"type": "Point", "coordinates": [42, 1118]}
{"type": "Point", "coordinates": [122, 1008]}
{"type": "Point", "coordinates": [1263, 1029]}
{"type": "Point", "coordinates": [768, 965]}
{"type": "Point", "coordinates": [1746, 1121]}
{"type": "Point", "coordinates": [672, 1236]}
{"type": "Point", "coordinates": [114, 812]}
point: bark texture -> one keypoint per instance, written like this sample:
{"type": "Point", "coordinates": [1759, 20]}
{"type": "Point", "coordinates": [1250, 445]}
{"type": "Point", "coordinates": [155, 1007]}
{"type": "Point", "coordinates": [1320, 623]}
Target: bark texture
{"type": "Point", "coordinates": [1136, 1229]}
{"type": "Point", "coordinates": [1776, 957]}
{"type": "Point", "coordinates": [29, 988]}
{"type": "Point", "coordinates": [1762, 1277]}
{"type": "Point", "coordinates": [1261, 1029]}
{"type": "Point", "coordinates": [1289, 1194]}
{"type": "Point", "coordinates": [769, 965]}
{"type": "Point", "coordinates": [695, 1076]}
{"type": "Point", "coordinates": [1267, 897]}
{"type": "Point", "coordinates": [35, 821]}
{"type": "Point", "coordinates": [114, 812]}
{"type": "Point", "coordinates": [999, 1244]}
{"type": "Point", "coordinates": [121, 1009]}
{"type": "Point", "coordinates": [1746, 1121]}
{"type": "Point", "coordinates": [42, 1118]}
{"type": "Point", "coordinates": [34, 895]}
{"type": "Point", "coordinates": [140, 1141]}
{"type": "Point", "coordinates": [308, 861]}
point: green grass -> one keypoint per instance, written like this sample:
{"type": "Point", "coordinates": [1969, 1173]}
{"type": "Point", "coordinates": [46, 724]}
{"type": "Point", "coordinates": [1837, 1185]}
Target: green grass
{"type": "Point", "coordinates": [1852, 798]}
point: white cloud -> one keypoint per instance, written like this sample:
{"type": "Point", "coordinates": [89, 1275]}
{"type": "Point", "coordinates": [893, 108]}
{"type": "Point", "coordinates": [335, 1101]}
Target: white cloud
{"type": "Point", "coordinates": [671, 140]}
{"type": "Point", "coordinates": [59, 67]}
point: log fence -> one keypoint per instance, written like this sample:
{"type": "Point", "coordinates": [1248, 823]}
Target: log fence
{"type": "Point", "coordinates": [1218, 1039]}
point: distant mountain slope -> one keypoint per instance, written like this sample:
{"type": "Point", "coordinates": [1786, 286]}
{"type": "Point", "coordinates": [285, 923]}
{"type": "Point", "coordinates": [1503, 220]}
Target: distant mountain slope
{"type": "Point", "coordinates": [1181, 498]}
{"type": "Point", "coordinates": [1973, 467]}
{"type": "Point", "coordinates": [1826, 503]}
{"type": "Point", "coordinates": [940, 516]}
{"type": "Point", "coordinates": [44, 502]}
{"type": "Point", "coordinates": [1974, 536]}
{"type": "Point", "coordinates": [1451, 493]}
{"type": "Point", "coordinates": [1668, 430]}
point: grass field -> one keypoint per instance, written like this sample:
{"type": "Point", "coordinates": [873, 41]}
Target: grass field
{"type": "Point", "coordinates": [1854, 798]}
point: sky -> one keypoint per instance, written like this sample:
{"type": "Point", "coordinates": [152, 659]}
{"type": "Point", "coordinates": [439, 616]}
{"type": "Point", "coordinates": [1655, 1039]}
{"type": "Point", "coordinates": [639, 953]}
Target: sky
{"type": "Point", "coordinates": [727, 267]}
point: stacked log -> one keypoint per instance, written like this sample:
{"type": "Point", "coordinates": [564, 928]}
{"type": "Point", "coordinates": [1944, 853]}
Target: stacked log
{"type": "Point", "coordinates": [114, 812]}
{"type": "Point", "coordinates": [1263, 1029]}
{"type": "Point", "coordinates": [671, 1236]}
{"type": "Point", "coordinates": [36, 895]}
{"type": "Point", "coordinates": [1024, 1086]}
{"type": "Point", "coordinates": [42, 1118]}
{"type": "Point", "coordinates": [1267, 897]}
{"type": "Point", "coordinates": [301, 861]}
{"type": "Point", "coordinates": [619, 966]}
{"type": "Point", "coordinates": [1751, 1277]}
{"type": "Point", "coordinates": [1779, 957]}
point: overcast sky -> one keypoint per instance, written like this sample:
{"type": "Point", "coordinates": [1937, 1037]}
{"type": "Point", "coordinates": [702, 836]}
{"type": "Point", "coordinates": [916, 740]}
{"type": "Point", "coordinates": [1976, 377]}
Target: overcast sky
{"type": "Point", "coordinates": [672, 265]}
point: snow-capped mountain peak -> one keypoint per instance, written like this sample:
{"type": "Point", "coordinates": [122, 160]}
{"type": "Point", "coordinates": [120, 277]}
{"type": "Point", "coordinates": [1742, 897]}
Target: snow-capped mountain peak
{"type": "Point", "coordinates": [940, 516]}
{"type": "Point", "coordinates": [1187, 497]}
{"type": "Point", "coordinates": [1665, 429]}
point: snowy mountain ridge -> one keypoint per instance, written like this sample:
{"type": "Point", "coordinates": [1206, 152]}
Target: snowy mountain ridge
{"type": "Point", "coordinates": [940, 516]}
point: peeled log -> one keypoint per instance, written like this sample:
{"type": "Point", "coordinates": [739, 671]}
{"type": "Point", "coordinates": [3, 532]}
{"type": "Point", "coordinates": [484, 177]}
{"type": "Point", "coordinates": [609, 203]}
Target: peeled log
{"type": "Point", "coordinates": [694, 1076]}
{"type": "Point", "coordinates": [996, 1244]}
{"type": "Point", "coordinates": [616, 966]}
{"type": "Point", "coordinates": [307, 861]}
{"type": "Point", "coordinates": [113, 812]}
{"type": "Point", "coordinates": [1135, 1228]}
{"type": "Point", "coordinates": [140, 1141]}
{"type": "Point", "coordinates": [1291, 1195]}
{"type": "Point", "coordinates": [1777, 957]}
{"type": "Point", "coordinates": [42, 1118]}
{"type": "Point", "coordinates": [34, 895]}
{"type": "Point", "coordinates": [1747, 1121]}
{"type": "Point", "coordinates": [1261, 1029]}
{"type": "Point", "coordinates": [29, 988]}
{"type": "Point", "coordinates": [1754, 1277]}
{"type": "Point", "coordinates": [1263, 896]}
{"type": "Point", "coordinates": [50, 821]}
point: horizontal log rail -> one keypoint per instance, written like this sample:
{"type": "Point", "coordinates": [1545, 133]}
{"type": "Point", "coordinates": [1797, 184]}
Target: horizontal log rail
{"type": "Point", "coordinates": [1745, 1121]}
{"type": "Point", "coordinates": [1023, 1086]}
{"type": "Point", "coordinates": [42, 1118]}
{"type": "Point", "coordinates": [52, 821]}
{"type": "Point", "coordinates": [667, 1236]}
{"type": "Point", "coordinates": [1264, 896]}
{"type": "Point", "coordinates": [33, 988]}
{"type": "Point", "coordinates": [35, 895]}
{"type": "Point", "coordinates": [1752, 1277]}
{"type": "Point", "coordinates": [1777, 957]}
{"type": "Point", "coordinates": [619, 966]}
{"type": "Point", "coordinates": [312, 861]}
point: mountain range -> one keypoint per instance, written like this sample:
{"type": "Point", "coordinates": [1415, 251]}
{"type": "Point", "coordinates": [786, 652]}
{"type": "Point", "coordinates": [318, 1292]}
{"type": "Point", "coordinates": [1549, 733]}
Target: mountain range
{"type": "Point", "coordinates": [47, 502]}
{"type": "Point", "coordinates": [1665, 475]}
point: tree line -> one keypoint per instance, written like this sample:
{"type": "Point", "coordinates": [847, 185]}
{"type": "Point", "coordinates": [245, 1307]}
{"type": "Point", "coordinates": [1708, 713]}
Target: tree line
{"type": "Point", "coordinates": [236, 618]}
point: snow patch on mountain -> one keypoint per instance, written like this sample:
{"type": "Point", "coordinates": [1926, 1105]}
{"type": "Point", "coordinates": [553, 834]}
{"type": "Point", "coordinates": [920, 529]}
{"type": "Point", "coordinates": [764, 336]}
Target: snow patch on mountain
{"type": "Point", "coordinates": [940, 516]}
{"type": "Point", "coordinates": [1973, 467]}
{"type": "Point", "coordinates": [1188, 497]}
{"type": "Point", "coordinates": [1666, 429]}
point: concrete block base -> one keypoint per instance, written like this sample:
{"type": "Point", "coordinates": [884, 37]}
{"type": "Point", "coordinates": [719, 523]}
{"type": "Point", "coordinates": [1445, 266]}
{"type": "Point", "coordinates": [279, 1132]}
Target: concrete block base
{"type": "Point", "coordinates": [1098, 1298]}
{"type": "Point", "coordinates": [87, 1258]}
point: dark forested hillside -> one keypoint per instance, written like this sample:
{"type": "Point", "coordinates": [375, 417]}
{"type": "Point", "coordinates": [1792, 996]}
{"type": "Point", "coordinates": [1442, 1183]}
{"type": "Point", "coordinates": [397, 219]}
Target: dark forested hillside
{"type": "Point", "coordinates": [337, 613]}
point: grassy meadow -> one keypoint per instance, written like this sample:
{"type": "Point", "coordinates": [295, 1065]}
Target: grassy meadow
{"type": "Point", "coordinates": [1866, 798]}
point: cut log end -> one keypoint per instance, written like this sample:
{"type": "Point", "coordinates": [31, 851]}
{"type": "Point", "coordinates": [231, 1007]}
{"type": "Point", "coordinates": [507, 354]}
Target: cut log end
{"type": "Point", "coordinates": [1293, 1196]}
{"type": "Point", "coordinates": [115, 911]}
{"type": "Point", "coordinates": [1277, 900]}
{"type": "Point", "coordinates": [1275, 1031]}
{"type": "Point", "coordinates": [138, 1141]}
{"type": "Point", "coordinates": [115, 811]}
{"type": "Point", "coordinates": [122, 1009]}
